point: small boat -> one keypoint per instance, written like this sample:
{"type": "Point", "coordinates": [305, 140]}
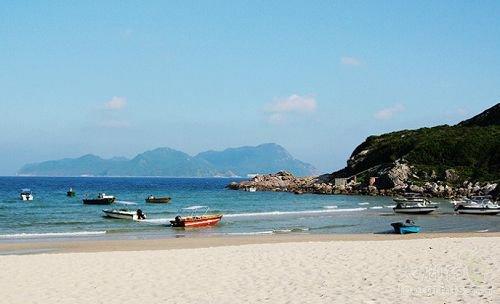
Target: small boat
{"type": "Point", "coordinates": [413, 203]}
{"type": "Point", "coordinates": [478, 205]}
{"type": "Point", "coordinates": [251, 189]}
{"type": "Point", "coordinates": [26, 195]}
{"type": "Point", "coordinates": [196, 220]}
{"type": "Point", "coordinates": [125, 214]}
{"type": "Point", "coordinates": [407, 227]}
{"type": "Point", "coordinates": [70, 193]}
{"type": "Point", "coordinates": [101, 199]}
{"type": "Point", "coordinates": [158, 200]}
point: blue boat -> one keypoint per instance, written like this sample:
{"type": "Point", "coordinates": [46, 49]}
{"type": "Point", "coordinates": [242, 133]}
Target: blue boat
{"type": "Point", "coordinates": [406, 227]}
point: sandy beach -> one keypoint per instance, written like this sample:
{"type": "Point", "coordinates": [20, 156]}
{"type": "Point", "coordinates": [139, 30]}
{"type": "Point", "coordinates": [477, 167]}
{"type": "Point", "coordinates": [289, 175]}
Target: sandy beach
{"type": "Point", "coordinates": [429, 268]}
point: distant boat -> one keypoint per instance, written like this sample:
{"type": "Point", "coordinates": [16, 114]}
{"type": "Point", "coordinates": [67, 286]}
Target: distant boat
{"type": "Point", "coordinates": [478, 205]}
{"type": "Point", "coordinates": [26, 195]}
{"type": "Point", "coordinates": [196, 220]}
{"type": "Point", "coordinates": [70, 192]}
{"type": "Point", "coordinates": [251, 189]}
{"type": "Point", "coordinates": [158, 200]}
{"type": "Point", "coordinates": [413, 203]}
{"type": "Point", "coordinates": [101, 199]}
{"type": "Point", "coordinates": [407, 227]}
{"type": "Point", "coordinates": [125, 214]}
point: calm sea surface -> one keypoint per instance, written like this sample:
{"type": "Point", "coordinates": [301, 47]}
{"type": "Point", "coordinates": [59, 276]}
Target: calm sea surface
{"type": "Point", "coordinates": [53, 215]}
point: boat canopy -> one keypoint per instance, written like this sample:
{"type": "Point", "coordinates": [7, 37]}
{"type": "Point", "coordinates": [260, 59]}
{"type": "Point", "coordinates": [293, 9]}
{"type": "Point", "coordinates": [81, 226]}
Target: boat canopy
{"type": "Point", "coordinates": [25, 190]}
{"type": "Point", "coordinates": [194, 207]}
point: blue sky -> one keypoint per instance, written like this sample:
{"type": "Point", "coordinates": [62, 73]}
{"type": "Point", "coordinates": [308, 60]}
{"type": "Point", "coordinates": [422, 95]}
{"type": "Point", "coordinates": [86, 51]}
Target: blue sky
{"type": "Point", "coordinates": [118, 78]}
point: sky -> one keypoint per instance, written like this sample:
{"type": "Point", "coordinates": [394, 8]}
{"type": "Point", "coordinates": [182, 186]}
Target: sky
{"type": "Point", "coordinates": [116, 78]}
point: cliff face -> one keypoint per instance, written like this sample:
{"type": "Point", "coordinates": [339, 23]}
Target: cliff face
{"type": "Point", "coordinates": [441, 161]}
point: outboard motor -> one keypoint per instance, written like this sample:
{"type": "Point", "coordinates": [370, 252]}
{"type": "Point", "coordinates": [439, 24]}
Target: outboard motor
{"type": "Point", "coordinates": [140, 214]}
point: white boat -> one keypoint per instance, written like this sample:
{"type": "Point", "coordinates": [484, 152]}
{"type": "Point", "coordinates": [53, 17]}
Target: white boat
{"type": "Point", "coordinates": [26, 195]}
{"type": "Point", "coordinates": [125, 214]}
{"type": "Point", "coordinates": [251, 189]}
{"type": "Point", "coordinates": [478, 205]}
{"type": "Point", "coordinates": [413, 203]}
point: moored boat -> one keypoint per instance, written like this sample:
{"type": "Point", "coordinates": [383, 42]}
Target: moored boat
{"type": "Point", "coordinates": [480, 205]}
{"type": "Point", "coordinates": [413, 203]}
{"type": "Point", "coordinates": [26, 195]}
{"type": "Point", "coordinates": [196, 220]}
{"type": "Point", "coordinates": [158, 200]}
{"type": "Point", "coordinates": [125, 214]}
{"type": "Point", "coordinates": [101, 199]}
{"type": "Point", "coordinates": [407, 227]}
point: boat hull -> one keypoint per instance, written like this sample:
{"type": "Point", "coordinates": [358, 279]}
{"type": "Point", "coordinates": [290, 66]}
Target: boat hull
{"type": "Point", "coordinates": [415, 210]}
{"type": "Point", "coordinates": [400, 228]}
{"type": "Point", "coordinates": [158, 200]}
{"type": "Point", "coordinates": [197, 221]}
{"type": "Point", "coordinates": [26, 197]}
{"type": "Point", "coordinates": [478, 210]}
{"type": "Point", "coordinates": [124, 215]}
{"type": "Point", "coordinates": [99, 201]}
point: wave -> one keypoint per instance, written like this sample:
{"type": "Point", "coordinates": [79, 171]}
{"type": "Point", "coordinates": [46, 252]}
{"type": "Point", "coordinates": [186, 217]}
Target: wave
{"type": "Point", "coordinates": [389, 206]}
{"type": "Point", "coordinates": [278, 213]}
{"type": "Point", "coordinates": [376, 207]}
{"type": "Point", "coordinates": [126, 203]}
{"type": "Point", "coordinates": [364, 203]}
{"type": "Point", "coordinates": [49, 234]}
{"type": "Point", "coordinates": [251, 233]}
{"type": "Point", "coordinates": [330, 207]}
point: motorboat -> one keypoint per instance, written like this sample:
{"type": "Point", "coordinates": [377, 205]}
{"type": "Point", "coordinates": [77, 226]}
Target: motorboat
{"type": "Point", "coordinates": [101, 199]}
{"type": "Point", "coordinates": [158, 200]}
{"type": "Point", "coordinates": [414, 203]}
{"type": "Point", "coordinates": [26, 195]}
{"type": "Point", "coordinates": [478, 205]}
{"type": "Point", "coordinates": [125, 214]}
{"type": "Point", "coordinates": [251, 189]}
{"type": "Point", "coordinates": [407, 227]}
{"type": "Point", "coordinates": [198, 217]}
{"type": "Point", "coordinates": [70, 193]}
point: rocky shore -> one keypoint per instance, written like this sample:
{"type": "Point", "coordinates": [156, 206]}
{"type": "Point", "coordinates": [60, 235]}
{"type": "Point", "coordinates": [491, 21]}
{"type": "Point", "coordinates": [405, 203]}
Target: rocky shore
{"type": "Point", "coordinates": [394, 182]}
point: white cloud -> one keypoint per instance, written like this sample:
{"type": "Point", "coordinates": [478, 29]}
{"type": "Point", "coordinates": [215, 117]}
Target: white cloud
{"type": "Point", "coordinates": [116, 103]}
{"type": "Point", "coordinates": [280, 109]}
{"type": "Point", "coordinates": [389, 112]}
{"type": "Point", "coordinates": [352, 61]}
{"type": "Point", "coordinates": [293, 104]}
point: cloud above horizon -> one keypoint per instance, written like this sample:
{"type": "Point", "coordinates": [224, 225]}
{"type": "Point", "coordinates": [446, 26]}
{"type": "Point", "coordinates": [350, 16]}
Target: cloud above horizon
{"type": "Point", "coordinates": [389, 112]}
{"type": "Point", "coordinates": [351, 61]}
{"type": "Point", "coordinates": [293, 104]}
{"type": "Point", "coordinates": [115, 103]}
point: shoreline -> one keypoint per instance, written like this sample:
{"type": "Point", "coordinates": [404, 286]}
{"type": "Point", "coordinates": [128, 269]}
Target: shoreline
{"type": "Point", "coordinates": [30, 247]}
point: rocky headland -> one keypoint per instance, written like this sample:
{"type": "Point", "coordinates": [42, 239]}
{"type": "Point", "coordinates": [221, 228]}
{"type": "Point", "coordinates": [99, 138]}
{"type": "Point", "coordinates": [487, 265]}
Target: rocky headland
{"type": "Point", "coordinates": [443, 161]}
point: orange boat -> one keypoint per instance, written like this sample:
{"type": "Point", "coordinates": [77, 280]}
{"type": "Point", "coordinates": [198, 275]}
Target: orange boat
{"type": "Point", "coordinates": [194, 221]}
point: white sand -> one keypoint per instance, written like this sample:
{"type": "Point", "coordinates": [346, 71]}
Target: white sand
{"type": "Point", "coordinates": [440, 270]}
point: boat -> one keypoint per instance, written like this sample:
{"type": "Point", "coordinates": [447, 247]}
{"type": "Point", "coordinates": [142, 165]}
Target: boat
{"type": "Point", "coordinates": [251, 189]}
{"type": "Point", "coordinates": [196, 218]}
{"type": "Point", "coordinates": [413, 203]}
{"type": "Point", "coordinates": [158, 200]}
{"type": "Point", "coordinates": [26, 195]}
{"type": "Point", "coordinates": [101, 199]}
{"type": "Point", "coordinates": [70, 193]}
{"type": "Point", "coordinates": [478, 205]}
{"type": "Point", "coordinates": [407, 227]}
{"type": "Point", "coordinates": [125, 214]}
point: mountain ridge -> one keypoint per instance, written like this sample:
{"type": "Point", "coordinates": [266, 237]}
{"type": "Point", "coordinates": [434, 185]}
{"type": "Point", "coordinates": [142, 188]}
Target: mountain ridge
{"type": "Point", "coordinates": [168, 162]}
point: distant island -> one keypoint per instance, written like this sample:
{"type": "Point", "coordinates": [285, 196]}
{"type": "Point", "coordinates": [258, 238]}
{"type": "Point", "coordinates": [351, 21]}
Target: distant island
{"type": "Point", "coordinates": [444, 161]}
{"type": "Point", "coordinates": [232, 162]}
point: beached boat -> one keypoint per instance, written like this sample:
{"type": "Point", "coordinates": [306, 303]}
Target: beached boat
{"type": "Point", "coordinates": [482, 205]}
{"type": "Point", "coordinates": [26, 195]}
{"type": "Point", "coordinates": [413, 203]}
{"type": "Point", "coordinates": [407, 227]}
{"type": "Point", "coordinates": [158, 200]}
{"type": "Point", "coordinates": [101, 199]}
{"type": "Point", "coordinates": [70, 193]}
{"type": "Point", "coordinates": [196, 218]}
{"type": "Point", "coordinates": [125, 214]}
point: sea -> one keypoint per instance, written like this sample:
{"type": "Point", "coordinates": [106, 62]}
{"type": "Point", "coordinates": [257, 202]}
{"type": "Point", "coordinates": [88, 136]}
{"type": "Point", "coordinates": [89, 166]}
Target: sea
{"type": "Point", "coordinates": [53, 215]}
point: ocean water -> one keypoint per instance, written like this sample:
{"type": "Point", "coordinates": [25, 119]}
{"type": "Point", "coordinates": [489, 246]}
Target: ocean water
{"type": "Point", "coordinates": [53, 215]}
